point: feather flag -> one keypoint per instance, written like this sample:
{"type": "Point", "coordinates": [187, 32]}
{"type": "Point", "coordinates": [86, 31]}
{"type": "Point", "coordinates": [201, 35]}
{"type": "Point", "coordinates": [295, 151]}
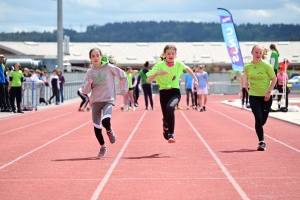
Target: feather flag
{"type": "Point", "coordinates": [231, 39]}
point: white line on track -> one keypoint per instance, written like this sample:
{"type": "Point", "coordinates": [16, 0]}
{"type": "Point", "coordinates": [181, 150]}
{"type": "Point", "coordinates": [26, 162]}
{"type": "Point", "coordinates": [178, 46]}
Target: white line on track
{"type": "Point", "coordinates": [297, 150]}
{"type": "Point", "coordinates": [42, 146]}
{"type": "Point", "coordinates": [221, 165]}
{"type": "Point", "coordinates": [35, 123]}
{"type": "Point", "coordinates": [114, 164]}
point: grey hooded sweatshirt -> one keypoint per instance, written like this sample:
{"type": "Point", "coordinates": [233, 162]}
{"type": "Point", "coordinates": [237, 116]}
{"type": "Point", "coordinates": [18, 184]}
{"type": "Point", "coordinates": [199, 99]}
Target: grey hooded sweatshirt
{"type": "Point", "coordinates": [103, 87]}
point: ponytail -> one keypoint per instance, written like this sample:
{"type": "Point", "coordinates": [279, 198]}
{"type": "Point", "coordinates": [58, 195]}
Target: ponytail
{"type": "Point", "coordinates": [273, 47]}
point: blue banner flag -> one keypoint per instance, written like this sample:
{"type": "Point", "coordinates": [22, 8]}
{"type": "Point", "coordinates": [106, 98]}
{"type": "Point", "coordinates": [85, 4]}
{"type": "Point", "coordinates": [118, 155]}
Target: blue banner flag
{"type": "Point", "coordinates": [231, 39]}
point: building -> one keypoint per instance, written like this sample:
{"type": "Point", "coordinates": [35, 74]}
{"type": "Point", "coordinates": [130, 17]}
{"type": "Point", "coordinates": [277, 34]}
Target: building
{"type": "Point", "coordinates": [211, 54]}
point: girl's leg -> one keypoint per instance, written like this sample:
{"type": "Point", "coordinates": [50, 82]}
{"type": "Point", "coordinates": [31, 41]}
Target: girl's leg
{"type": "Point", "coordinates": [130, 92]}
{"type": "Point", "coordinates": [169, 99]}
{"type": "Point", "coordinates": [96, 116]}
{"type": "Point", "coordinates": [107, 114]}
{"type": "Point", "coordinates": [257, 109]}
{"type": "Point", "coordinates": [266, 109]}
{"type": "Point", "coordinates": [125, 100]}
{"type": "Point", "coordinates": [18, 98]}
{"type": "Point", "coordinates": [150, 95]}
{"type": "Point", "coordinates": [196, 99]}
{"type": "Point", "coordinates": [146, 94]}
{"type": "Point", "coordinates": [187, 97]}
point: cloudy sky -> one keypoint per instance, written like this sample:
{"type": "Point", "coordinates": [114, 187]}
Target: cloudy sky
{"type": "Point", "coordinates": [41, 15]}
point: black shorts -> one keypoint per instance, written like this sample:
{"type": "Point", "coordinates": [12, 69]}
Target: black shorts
{"type": "Point", "coordinates": [130, 88]}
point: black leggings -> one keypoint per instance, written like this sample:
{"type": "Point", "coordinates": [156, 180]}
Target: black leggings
{"type": "Point", "coordinates": [15, 93]}
{"type": "Point", "coordinates": [244, 96]}
{"type": "Point", "coordinates": [188, 92]}
{"type": "Point", "coordinates": [280, 90]}
{"type": "Point", "coordinates": [85, 99]}
{"type": "Point", "coordinates": [55, 93]}
{"type": "Point", "coordinates": [147, 93]}
{"type": "Point", "coordinates": [168, 100]}
{"type": "Point", "coordinates": [196, 98]}
{"type": "Point", "coordinates": [260, 109]}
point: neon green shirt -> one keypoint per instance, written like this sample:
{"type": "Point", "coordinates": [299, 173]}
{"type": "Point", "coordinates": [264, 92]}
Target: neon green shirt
{"type": "Point", "coordinates": [274, 54]}
{"type": "Point", "coordinates": [170, 80]}
{"type": "Point", "coordinates": [259, 76]}
{"type": "Point", "coordinates": [143, 76]}
{"type": "Point", "coordinates": [17, 77]}
{"type": "Point", "coordinates": [129, 77]}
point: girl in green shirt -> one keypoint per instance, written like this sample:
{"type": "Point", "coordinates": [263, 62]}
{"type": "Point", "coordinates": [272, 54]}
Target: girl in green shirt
{"type": "Point", "coordinates": [259, 73]}
{"type": "Point", "coordinates": [166, 74]}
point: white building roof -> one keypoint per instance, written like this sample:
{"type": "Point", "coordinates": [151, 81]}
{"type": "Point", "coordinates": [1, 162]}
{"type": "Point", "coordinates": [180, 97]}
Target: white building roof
{"type": "Point", "coordinates": [137, 53]}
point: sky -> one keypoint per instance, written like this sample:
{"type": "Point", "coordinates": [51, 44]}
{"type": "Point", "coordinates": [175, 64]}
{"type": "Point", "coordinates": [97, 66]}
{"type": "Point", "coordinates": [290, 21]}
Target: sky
{"type": "Point", "coordinates": [41, 15]}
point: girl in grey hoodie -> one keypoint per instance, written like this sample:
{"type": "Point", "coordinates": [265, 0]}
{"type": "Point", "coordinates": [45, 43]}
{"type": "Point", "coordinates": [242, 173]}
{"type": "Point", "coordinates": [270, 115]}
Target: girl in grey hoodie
{"type": "Point", "coordinates": [100, 80]}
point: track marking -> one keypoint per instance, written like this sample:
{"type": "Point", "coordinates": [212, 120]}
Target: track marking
{"type": "Point", "coordinates": [114, 164]}
{"type": "Point", "coordinates": [35, 123]}
{"type": "Point", "coordinates": [38, 148]}
{"type": "Point", "coordinates": [284, 144]}
{"type": "Point", "coordinates": [221, 165]}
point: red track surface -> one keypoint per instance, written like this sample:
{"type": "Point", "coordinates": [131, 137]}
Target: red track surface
{"type": "Point", "coordinates": [51, 154]}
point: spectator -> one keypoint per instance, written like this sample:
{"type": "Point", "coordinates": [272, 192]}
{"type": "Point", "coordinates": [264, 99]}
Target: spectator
{"type": "Point", "coordinates": [54, 85]}
{"type": "Point", "coordinates": [3, 103]}
{"type": "Point", "coordinates": [61, 79]}
{"type": "Point", "coordinates": [15, 88]}
{"type": "Point", "coordinates": [147, 87]}
{"type": "Point", "coordinates": [189, 91]}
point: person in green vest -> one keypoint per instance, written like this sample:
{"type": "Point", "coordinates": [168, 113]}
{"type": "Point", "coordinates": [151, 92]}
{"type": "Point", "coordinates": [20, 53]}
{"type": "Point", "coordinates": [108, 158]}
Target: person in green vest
{"type": "Point", "coordinates": [15, 88]}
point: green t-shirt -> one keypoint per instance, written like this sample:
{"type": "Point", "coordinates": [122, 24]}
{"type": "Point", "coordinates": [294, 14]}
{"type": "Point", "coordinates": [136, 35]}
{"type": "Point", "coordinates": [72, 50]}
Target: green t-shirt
{"type": "Point", "coordinates": [259, 76]}
{"type": "Point", "coordinates": [170, 80]}
{"type": "Point", "coordinates": [143, 77]}
{"type": "Point", "coordinates": [274, 54]}
{"type": "Point", "coordinates": [17, 77]}
{"type": "Point", "coordinates": [129, 78]}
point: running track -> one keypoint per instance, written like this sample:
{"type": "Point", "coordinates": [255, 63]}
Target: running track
{"type": "Point", "coordinates": [51, 154]}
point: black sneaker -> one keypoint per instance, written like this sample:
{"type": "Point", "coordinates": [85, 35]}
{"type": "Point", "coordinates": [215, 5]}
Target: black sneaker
{"type": "Point", "coordinates": [171, 138]}
{"type": "Point", "coordinates": [261, 146]}
{"type": "Point", "coordinates": [204, 109]}
{"type": "Point", "coordinates": [20, 111]}
{"type": "Point", "coordinates": [165, 132]}
{"type": "Point", "coordinates": [201, 110]}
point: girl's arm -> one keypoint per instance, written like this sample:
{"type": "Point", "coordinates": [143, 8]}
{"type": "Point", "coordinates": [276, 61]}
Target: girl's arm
{"type": "Point", "coordinates": [190, 72]}
{"type": "Point", "coordinates": [158, 73]}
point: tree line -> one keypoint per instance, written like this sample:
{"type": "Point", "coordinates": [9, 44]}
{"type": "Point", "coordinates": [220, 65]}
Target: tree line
{"type": "Point", "coordinates": [165, 31]}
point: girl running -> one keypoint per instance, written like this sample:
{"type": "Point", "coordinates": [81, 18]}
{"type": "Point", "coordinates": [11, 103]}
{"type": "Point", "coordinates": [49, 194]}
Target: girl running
{"type": "Point", "coordinates": [259, 73]}
{"type": "Point", "coordinates": [167, 73]}
{"type": "Point", "coordinates": [100, 80]}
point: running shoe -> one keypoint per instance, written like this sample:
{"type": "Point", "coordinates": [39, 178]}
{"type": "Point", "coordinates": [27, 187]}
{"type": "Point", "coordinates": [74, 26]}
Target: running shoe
{"type": "Point", "coordinates": [165, 132]}
{"type": "Point", "coordinates": [111, 136]}
{"type": "Point", "coordinates": [261, 146]}
{"type": "Point", "coordinates": [201, 110]}
{"type": "Point", "coordinates": [171, 138]}
{"type": "Point", "coordinates": [102, 152]}
{"type": "Point", "coordinates": [204, 108]}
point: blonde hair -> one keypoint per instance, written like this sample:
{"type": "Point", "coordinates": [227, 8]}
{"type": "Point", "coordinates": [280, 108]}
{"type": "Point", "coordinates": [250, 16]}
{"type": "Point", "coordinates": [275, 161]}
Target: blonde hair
{"type": "Point", "coordinates": [264, 50]}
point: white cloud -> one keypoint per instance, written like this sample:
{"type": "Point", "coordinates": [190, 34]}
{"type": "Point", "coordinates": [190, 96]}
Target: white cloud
{"type": "Point", "coordinates": [77, 14]}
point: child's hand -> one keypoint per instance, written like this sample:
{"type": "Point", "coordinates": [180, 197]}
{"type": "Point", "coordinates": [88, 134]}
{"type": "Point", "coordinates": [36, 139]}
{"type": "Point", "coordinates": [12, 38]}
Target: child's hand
{"type": "Point", "coordinates": [90, 80]}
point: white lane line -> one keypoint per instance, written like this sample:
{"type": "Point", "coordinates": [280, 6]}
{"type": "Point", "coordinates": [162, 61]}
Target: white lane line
{"type": "Point", "coordinates": [42, 146]}
{"type": "Point", "coordinates": [221, 165]}
{"type": "Point", "coordinates": [114, 164]}
{"type": "Point", "coordinates": [35, 123]}
{"type": "Point", "coordinates": [284, 144]}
